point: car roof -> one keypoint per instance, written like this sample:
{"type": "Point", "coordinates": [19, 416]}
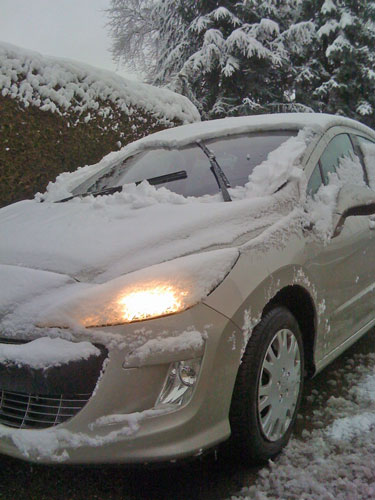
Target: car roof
{"type": "Point", "coordinates": [178, 136]}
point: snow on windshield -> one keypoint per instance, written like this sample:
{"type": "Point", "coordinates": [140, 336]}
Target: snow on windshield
{"type": "Point", "coordinates": [277, 168]}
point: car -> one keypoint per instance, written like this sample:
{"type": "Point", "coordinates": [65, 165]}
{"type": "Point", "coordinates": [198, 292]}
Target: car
{"type": "Point", "coordinates": [175, 295]}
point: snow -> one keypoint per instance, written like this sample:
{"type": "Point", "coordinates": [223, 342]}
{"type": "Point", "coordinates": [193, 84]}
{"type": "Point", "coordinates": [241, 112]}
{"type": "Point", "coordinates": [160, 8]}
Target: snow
{"type": "Point", "coordinates": [340, 44]}
{"type": "Point", "coordinates": [364, 108]}
{"type": "Point", "coordinates": [99, 241]}
{"type": "Point", "coordinates": [321, 208]}
{"type": "Point", "coordinates": [181, 136]}
{"type": "Point", "coordinates": [223, 13]}
{"type": "Point", "coordinates": [189, 278]}
{"type": "Point", "coordinates": [281, 165]}
{"type": "Point", "coordinates": [329, 27]}
{"type": "Point", "coordinates": [368, 149]}
{"type": "Point", "coordinates": [347, 19]}
{"type": "Point", "coordinates": [45, 352]}
{"type": "Point", "coordinates": [151, 349]}
{"type": "Point", "coordinates": [21, 283]}
{"type": "Point", "coordinates": [328, 7]}
{"type": "Point", "coordinates": [54, 444]}
{"type": "Point", "coordinates": [59, 85]}
{"type": "Point", "coordinates": [334, 459]}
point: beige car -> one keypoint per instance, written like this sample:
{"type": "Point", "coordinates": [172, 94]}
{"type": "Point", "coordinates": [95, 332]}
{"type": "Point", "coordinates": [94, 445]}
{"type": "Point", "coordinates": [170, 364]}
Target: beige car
{"type": "Point", "coordinates": [151, 321]}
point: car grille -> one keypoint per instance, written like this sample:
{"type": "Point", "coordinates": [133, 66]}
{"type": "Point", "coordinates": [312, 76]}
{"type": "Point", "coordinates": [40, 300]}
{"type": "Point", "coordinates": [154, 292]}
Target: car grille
{"type": "Point", "coordinates": [41, 398]}
{"type": "Point", "coordinates": [30, 411]}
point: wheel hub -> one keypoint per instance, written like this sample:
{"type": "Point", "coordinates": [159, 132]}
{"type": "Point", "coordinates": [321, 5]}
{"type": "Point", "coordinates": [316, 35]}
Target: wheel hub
{"type": "Point", "coordinates": [279, 384]}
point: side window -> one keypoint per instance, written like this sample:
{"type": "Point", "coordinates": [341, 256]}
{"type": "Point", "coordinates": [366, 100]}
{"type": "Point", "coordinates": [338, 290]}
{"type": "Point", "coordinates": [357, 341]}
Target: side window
{"type": "Point", "coordinates": [340, 147]}
{"type": "Point", "coordinates": [338, 158]}
{"type": "Point", "coordinates": [315, 182]}
{"type": "Point", "coordinates": [368, 151]}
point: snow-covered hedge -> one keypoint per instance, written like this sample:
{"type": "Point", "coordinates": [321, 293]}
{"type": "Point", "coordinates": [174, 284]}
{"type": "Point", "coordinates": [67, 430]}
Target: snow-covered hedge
{"type": "Point", "coordinates": [57, 115]}
{"type": "Point", "coordinates": [61, 86]}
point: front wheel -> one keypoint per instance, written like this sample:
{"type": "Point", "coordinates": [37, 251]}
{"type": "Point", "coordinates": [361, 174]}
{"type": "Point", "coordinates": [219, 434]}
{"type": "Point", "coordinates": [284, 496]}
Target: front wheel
{"type": "Point", "coordinates": [268, 387]}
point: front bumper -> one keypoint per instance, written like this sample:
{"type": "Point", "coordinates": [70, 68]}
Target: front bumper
{"type": "Point", "coordinates": [119, 424]}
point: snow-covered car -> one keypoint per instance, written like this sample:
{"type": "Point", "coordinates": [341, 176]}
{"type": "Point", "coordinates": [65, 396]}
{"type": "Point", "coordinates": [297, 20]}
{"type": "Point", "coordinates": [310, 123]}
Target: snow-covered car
{"type": "Point", "coordinates": [177, 293]}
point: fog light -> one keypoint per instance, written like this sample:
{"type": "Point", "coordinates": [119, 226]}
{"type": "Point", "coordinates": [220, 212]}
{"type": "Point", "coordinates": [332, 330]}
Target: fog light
{"type": "Point", "coordinates": [180, 383]}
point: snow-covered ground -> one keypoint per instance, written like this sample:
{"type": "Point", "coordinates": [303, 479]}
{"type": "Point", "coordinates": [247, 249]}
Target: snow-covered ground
{"type": "Point", "coordinates": [332, 455]}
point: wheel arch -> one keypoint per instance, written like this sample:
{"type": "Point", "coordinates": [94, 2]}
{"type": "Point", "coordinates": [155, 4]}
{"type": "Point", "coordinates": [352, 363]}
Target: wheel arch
{"type": "Point", "coordinates": [300, 303]}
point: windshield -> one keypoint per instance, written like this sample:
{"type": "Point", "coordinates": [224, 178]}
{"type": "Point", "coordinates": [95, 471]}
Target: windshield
{"type": "Point", "coordinates": [193, 176]}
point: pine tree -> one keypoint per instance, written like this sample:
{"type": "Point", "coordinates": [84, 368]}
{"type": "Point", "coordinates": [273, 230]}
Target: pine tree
{"type": "Point", "coordinates": [339, 71]}
{"type": "Point", "coordinates": [244, 56]}
{"type": "Point", "coordinates": [222, 54]}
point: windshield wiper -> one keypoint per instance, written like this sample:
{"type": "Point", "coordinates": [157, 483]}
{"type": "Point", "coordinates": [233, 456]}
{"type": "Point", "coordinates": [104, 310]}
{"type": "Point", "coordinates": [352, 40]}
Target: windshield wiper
{"type": "Point", "coordinates": [162, 179]}
{"type": "Point", "coordinates": [154, 181]}
{"type": "Point", "coordinates": [220, 177]}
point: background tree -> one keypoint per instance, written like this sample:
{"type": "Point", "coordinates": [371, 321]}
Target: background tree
{"type": "Point", "coordinates": [338, 71]}
{"type": "Point", "coordinates": [243, 56]}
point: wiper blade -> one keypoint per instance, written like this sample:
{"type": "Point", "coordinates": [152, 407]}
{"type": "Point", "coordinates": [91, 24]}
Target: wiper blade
{"type": "Point", "coordinates": [162, 179]}
{"type": "Point", "coordinates": [220, 177]}
{"type": "Point", "coordinates": [154, 181]}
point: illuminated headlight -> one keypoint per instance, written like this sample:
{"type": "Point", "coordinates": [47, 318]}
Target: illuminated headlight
{"type": "Point", "coordinates": [155, 291]}
{"type": "Point", "coordinates": [179, 384]}
{"type": "Point", "coordinates": [149, 303]}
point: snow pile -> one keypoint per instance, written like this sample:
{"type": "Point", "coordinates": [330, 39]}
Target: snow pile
{"type": "Point", "coordinates": [45, 352]}
{"type": "Point", "coordinates": [281, 166]}
{"type": "Point", "coordinates": [62, 86]}
{"type": "Point", "coordinates": [21, 283]}
{"type": "Point", "coordinates": [322, 206]}
{"type": "Point", "coordinates": [153, 349]}
{"type": "Point", "coordinates": [335, 460]}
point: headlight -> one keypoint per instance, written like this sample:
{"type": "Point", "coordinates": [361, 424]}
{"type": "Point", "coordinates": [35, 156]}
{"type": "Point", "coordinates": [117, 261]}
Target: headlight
{"type": "Point", "coordinates": [154, 291]}
{"type": "Point", "coordinates": [158, 301]}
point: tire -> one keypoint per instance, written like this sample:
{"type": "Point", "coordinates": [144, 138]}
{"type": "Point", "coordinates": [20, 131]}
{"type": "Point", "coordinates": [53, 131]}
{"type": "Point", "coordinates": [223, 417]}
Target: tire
{"type": "Point", "coordinates": [268, 388]}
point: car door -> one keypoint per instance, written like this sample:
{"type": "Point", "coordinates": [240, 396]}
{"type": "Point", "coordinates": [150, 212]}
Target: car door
{"type": "Point", "coordinates": [341, 267]}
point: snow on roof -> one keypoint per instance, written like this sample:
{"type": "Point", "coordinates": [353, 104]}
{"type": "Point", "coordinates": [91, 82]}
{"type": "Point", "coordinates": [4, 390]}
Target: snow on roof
{"type": "Point", "coordinates": [185, 134]}
{"type": "Point", "coordinates": [58, 85]}
{"type": "Point", "coordinates": [237, 125]}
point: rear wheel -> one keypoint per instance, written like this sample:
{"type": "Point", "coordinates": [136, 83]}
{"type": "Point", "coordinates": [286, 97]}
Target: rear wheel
{"type": "Point", "coordinates": [268, 387]}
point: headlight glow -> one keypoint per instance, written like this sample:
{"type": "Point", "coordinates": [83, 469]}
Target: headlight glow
{"type": "Point", "coordinates": [154, 291]}
{"type": "Point", "coordinates": [143, 304]}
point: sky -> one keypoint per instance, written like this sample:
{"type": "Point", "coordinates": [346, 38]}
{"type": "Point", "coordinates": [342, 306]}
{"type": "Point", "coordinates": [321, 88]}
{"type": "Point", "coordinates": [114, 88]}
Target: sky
{"type": "Point", "coordinates": [74, 29]}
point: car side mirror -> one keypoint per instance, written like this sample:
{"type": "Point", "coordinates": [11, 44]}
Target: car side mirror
{"type": "Point", "coordinates": [353, 200]}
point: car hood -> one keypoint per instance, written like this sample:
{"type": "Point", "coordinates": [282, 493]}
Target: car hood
{"type": "Point", "coordinates": [97, 239]}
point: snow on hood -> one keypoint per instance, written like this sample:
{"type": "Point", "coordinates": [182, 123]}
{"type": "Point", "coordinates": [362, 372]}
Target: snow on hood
{"type": "Point", "coordinates": [45, 352]}
{"type": "Point", "coordinates": [97, 239]}
{"type": "Point", "coordinates": [165, 288]}
{"type": "Point", "coordinates": [137, 236]}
